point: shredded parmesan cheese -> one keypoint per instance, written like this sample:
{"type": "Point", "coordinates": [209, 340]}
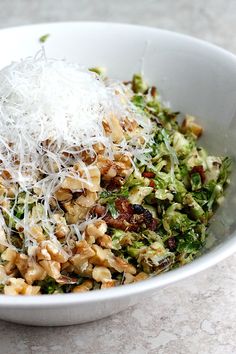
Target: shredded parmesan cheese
{"type": "Point", "coordinates": [51, 110]}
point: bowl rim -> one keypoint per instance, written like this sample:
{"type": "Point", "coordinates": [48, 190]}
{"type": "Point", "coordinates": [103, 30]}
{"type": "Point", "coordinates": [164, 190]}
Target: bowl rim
{"type": "Point", "coordinates": [154, 283]}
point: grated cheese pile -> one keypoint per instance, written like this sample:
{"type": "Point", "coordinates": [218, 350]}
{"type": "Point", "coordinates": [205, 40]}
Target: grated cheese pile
{"type": "Point", "coordinates": [51, 100]}
{"type": "Point", "coordinates": [50, 108]}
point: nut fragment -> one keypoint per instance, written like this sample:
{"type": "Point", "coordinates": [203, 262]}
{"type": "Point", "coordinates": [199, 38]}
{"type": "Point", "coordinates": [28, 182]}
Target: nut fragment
{"type": "Point", "coordinates": [96, 229]}
{"type": "Point", "coordinates": [116, 130]}
{"type": "Point", "coordinates": [37, 232]}
{"type": "Point", "coordinates": [107, 167]}
{"type": "Point", "coordinates": [123, 165]}
{"type": "Point", "coordinates": [22, 263]}
{"type": "Point", "coordinates": [101, 274]}
{"type": "Point", "coordinates": [9, 255]}
{"type": "Point", "coordinates": [87, 199]}
{"type": "Point", "coordinates": [129, 278]}
{"type": "Point", "coordinates": [34, 272]}
{"type": "Point", "coordinates": [189, 125]}
{"type": "Point", "coordinates": [47, 250]}
{"type": "Point", "coordinates": [121, 265]}
{"type": "Point", "coordinates": [75, 212]}
{"type": "Point", "coordinates": [52, 268]}
{"type": "Point", "coordinates": [109, 284]}
{"type": "Point", "coordinates": [19, 287]}
{"type": "Point", "coordinates": [85, 286]}
{"type": "Point", "coordinates": [89, 179]}
{"type": "Point", "coordinates": [140, 276]}
{"type": "Point", "coordinates": [99, 148]}
{"type": "Point", "coordinates": [83, 253]}
{"type": "Point", "coordinates": [63, 194]}
{"type": "Point", "coordinates": [3, 274]}
{"type": "Point", "coordinates": [101, 256]}
{"type": "Point", "coordinates": [104, 241]}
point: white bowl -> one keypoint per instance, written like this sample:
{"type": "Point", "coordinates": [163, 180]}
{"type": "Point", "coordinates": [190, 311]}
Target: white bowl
{"type": "Point", "coordinates": [197, 78]}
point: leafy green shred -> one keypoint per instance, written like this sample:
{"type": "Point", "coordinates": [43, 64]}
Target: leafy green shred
{"type": "Point", "coordinates": [180, 185]}
{"type": "Point", "coordinates": [44, 38]}
{"type": "Point", "coordinates": [49, 286]}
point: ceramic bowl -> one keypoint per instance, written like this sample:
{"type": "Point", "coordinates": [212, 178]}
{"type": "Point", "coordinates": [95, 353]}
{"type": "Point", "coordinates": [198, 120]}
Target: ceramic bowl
{"type": "Point", "coordinates": [195, 77]}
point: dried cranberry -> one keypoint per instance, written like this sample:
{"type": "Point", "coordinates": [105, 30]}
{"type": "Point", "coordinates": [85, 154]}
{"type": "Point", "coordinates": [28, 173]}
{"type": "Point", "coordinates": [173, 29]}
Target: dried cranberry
{"type": "Point", "coordinates": [148, 174]}
{"type": "Point", "coordinates": [152, 184]}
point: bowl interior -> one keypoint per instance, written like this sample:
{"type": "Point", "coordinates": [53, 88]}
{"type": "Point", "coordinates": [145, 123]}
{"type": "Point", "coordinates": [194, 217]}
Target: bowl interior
{"type": "Point", "coordinates": [195, 77]}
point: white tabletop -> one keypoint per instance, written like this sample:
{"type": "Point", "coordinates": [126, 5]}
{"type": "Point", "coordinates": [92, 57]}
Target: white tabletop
{"type": "Point", "coordinates": [195, 316]}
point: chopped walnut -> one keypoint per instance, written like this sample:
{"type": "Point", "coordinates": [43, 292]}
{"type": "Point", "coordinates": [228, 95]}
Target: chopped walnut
{"type": "Point", "coordinates": [47, 250]}
{"type": "Point", "coordinates": [19, 287]}
{"type": "Point", "coordinates": [63, 195]}
{"type": "Point", "coordinates": [87, 199]}
{"type": "Point", "coordinates": [52, 268]}
{"type": "Point", "coordinates": [101, 274]}
{"type": "Point", "coordinates": [83, 253]}
{"type": "Point", "coordinates": [85, 286]}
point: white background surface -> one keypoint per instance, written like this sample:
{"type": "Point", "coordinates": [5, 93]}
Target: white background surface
{"type": "Point", "coordinates": [197, 315]}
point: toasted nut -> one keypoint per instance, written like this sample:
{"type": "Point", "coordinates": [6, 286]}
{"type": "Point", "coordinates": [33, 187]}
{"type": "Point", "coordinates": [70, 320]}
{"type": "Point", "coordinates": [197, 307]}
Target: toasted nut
{"type": "Point", "coordinates": [89, 180]}
{"type": "Point", "coordinates": [140, 276]}
{"type": "Point", "coordinates": [85, 286]}
{"type": "Point", "coordinates": [85, 270]}
{"type": "Point", "coordinates": [63, 195]}
{"type": "Point", "coordinates": [99, 148]}
{"type": "Point", "coordinates": [14, 286]}
{"type": "Point", "coordinates": [6, 175]}
{"type": "Point", "coordinates": [96, 229]}
{"type": "Point", "coordinates": [19, 287]}
{"type": "Point", "coordinates": [68, 267]}
{"type": "Point", "coordinates": [31, 290]}
{"type": "Point", "coordinates": [22, 263]}
{"type": "Point", "coordinates": [83, 249]}
{"type": "Point", "coordinates": [37, 233]}
{"type": "Point", "coordinates": [61, 230]}
{"type": "Point", "coordinates": [47, 250]}
{"type": "Point", "coordinates": [109, 284]}
{"type": "Point", "coordinates": [130, 125]}
{"type": "Point", "coordinates": [83, 253]}
{"type": "Point", "coordinates": [75, 212]}
{"type": "Point", "coordinates": [72, 183]}
{"type": "Point", "coordinates": [101, 256]}
{"type": "Point", "coordinates": [123, 165]}
{"type": "Point", "coordinates": [3, 274]}
{"type": "Point", "coordinates": [34, 272]}
{"type": "Point", "coordinates": [9, 255]}
{"type": "Point", "coordinates": [101, 274]}
{"type": "Point", "coordinates": [121, 265]}
{"type": "Point", "coordinates": [52, 268]}
{"type": "Point", "coordinates": [3, 240]}
{"type": "Point", "coordinates": [189, 125]}
{"type": "Point", "coordinates": [104, 241]}
{"type": "Point", "coordinates": [106, 126]}
{"type": "Point", "coordinates": [129, 278]}
{"type": "Point", "coordinates": [116, 130]}
{"type": "Point", "coordinates": [87, 199]}
{"type": "Point", "coordinates": [107, 167]}
{"type": "Point", "coordinates": [3, 191]}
